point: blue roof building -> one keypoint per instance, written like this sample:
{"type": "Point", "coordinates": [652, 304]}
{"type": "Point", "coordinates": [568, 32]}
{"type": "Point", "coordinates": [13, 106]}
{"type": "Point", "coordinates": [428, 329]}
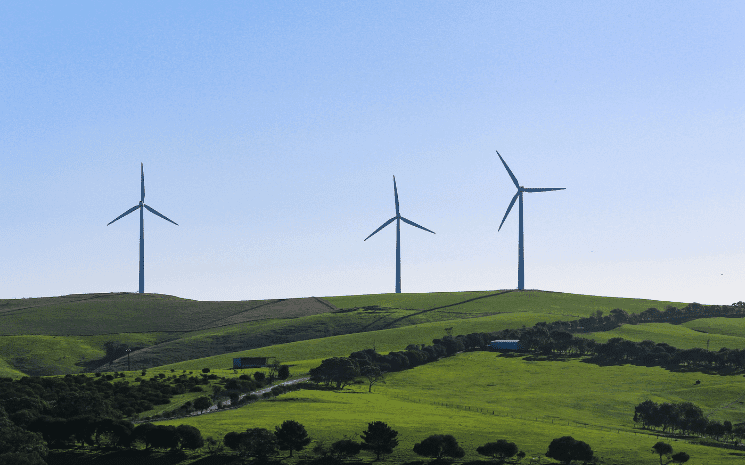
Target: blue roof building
{"type": "Point", "coordinates": [506, 344]}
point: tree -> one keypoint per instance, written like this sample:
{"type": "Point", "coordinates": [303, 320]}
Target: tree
{"type": "Point", "coordinates": [259, 376]}
{"type": "Point", "coordinates": [345, 448]}
{"type": "Point", "coordinates": [662, 448]}
{"type": "Point", "coordinates": [163, 437]}
{"type": "Point", "coordinates": [339, 370]}
{"type": "Point", "coordinates": [83, 427]}
{"type": "Point", "coordinates": [284, 372]}
{"type": "Point", "coordinates": [379, 438]}
{"type": "Point", "coordinates": [439, 445]}
{"type": "Point", "coordinates": [18, 445]}
{"type": "Point", "coordinates": [500, 450]}
{"type": "Point", "coordinates": [232, 440]}
{"type": "Point", "coordinates": [189, 437]}
{"type": "Point", "coordinates": [291, 436]}
{"type": "Point", "coordinates": [260, 443]}
{"type": "Point", "coordinates": [566, 448]}
{"type": "Point", "coordinates": [373, 373]}
{"type": "Point", "coordinates": [116, 433]}
{"type": "Point", "coordinates": [202, 403]}
{"type": "Point", "coordinates": [680, 457]}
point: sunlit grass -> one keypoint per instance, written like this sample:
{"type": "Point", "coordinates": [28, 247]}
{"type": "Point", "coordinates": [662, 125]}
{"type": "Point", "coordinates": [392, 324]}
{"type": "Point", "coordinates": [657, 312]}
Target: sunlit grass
{"type": "Point", "coordinates": [679, 336]}
{"type": "Point", "coordinates": [591, 403]}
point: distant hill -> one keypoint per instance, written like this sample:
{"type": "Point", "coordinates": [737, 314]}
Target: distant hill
{"type": "Point", "coordinates": [86, 332]}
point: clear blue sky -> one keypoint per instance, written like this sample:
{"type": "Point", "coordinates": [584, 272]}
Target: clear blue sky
{"type": "Point", "coordinates": [270, 132]}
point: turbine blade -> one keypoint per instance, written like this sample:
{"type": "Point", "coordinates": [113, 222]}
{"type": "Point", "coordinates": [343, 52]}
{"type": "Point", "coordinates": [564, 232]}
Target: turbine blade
{"type": "Point", "coordinates": [126, 213]}
{"type": "Point", "coordinates": [395, 193]}
{"type": "Point", "coordinates": [142, 177]}
{"type": "Point", "coordinates": [414, 224]}
{"type": "Point", "coordinates": [153, 211]}
{"type": "Point", "coordinates": [514, 179]}
{"type": "Point", "coordinates": [508, 209]}
{"type": "Point", "coordinates": [384, 225]}
{"type": "Point", "coordinates": [543, 189]}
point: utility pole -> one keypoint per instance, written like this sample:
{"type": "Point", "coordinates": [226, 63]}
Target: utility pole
{"type": "Point", "coordinates": [128, 351]}
{"type": "Point", "coordinates": [707, 344]}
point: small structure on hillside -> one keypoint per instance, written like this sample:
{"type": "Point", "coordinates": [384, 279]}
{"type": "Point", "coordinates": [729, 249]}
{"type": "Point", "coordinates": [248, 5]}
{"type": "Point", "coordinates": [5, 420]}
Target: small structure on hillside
{"type": "Point", "coordinates": [250, 362]}
{"type": "Point", "coordinates": [506, 344]}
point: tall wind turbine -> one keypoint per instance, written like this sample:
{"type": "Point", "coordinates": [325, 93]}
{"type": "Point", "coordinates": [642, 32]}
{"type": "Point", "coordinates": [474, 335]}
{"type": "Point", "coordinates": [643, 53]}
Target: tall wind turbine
{"type": "Point", "coordinates": [142, 228]}
{"type": "Point", "coordinates": [398, 219]}
{"type": "Point", "coordinates": [520, 190]}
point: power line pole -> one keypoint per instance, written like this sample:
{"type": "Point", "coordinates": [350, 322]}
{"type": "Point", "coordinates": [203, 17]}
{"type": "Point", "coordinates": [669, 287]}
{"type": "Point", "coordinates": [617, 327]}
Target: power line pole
{"type": "Point", "coordinates": [128, 351]}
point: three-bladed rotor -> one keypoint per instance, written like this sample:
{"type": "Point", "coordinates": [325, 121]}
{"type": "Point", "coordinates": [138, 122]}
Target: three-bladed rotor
{"type": "Point", "coordinates": [399, 218]}
{"type": "Point", "coordinates": [519, 194]}
{"type": "Point", "coordinates": [140, 206]}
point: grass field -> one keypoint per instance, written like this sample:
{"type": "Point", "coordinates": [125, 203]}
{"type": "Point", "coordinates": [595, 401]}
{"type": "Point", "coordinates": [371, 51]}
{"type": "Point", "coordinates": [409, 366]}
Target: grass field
{"type": "Point", "coordinates": [478, 397]}
{"type": "Point", "coordinates": [680, 336]}
{"type": "Point", "coordinates": [170, 329]}
{"type": "Point", "coordinates": [533, 403]}
{"type": "Point", "coordinates": [570, 306]}
{"type": "Point", "coordinates": [724, 326]}
{"type": "Point", "coordinates": [385, 341]}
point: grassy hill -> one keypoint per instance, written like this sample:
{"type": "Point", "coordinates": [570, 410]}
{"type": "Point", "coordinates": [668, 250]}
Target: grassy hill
{"type": "Point", "coordinates": [680, 336]}
{"type": "Point", "coordinates": [59, 335]}
{"type": "Point", "coordinates": [480, 397]}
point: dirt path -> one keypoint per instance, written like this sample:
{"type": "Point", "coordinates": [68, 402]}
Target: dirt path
{"type": "Point", "coordinates": [226, 403]}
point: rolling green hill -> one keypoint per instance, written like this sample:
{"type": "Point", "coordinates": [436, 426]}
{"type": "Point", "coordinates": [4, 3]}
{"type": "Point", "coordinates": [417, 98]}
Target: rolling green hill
{"type": "Point", "coordinates": [68, 334]}
{"type": "Point", "coordinates": [480, 397]}
{"type": "Point", "coordinates": [679, 336]}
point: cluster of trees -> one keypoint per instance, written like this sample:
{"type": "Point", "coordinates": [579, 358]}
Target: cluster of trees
{"type": "Point", "coordinates": [380, 439]}
{"type": "Point", "coordinates": [548, 338]}
{"type": "Point", "coordinates": [663, 448]}
{"type": "Point", "coordinates": [30, 445]}
{"type": "Point", "coordinates": [42, 413]}
{"type": "Point", "coordinates": [685, 418]}
{"type": "Point", "coordinates": [341, 371]}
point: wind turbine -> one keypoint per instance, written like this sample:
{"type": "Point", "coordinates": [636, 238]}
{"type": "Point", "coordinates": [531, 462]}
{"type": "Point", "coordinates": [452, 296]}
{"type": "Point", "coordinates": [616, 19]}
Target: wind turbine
{"type": "Point", "coordinates": [520, 190]}
{"type": "Point", "coordinates": [142, 228]}
{"type": "Point", "coordinates": [398, 219]}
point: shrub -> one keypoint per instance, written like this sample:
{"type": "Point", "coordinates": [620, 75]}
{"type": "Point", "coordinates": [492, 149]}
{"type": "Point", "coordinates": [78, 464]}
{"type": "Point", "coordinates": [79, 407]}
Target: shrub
{"type": "Point", "coordinates": [439, 445]}
{"type": "Point", "coordinates": [259, 376]}
{"type": "Point", "coordinates": [500, 450]}
{"type": "Point", "coordinates": [205, 370]}
{"type": "Point", "coordinates": [566, 448]}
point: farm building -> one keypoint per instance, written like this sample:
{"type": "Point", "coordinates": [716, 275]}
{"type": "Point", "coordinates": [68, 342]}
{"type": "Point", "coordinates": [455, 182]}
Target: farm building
{"type": "Point", "coordinates": [506, 344]}
{"type": "Point", "coordinates": [249, 362]}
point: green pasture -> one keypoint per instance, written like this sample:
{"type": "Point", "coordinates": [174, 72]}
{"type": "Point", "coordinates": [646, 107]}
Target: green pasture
{"type": "Point", "coordinates": [58, 355]}
{"type": "Point", "coordinates": [170, 329]}
{"type": "Point", "coordinates": [679, 336]}
{"type": "Point", "coordinates": [720, 325]}
{"type": "Point", "coordinates": [569, 306]}
{"type": "Point", "coordinates": [113, 313]}
{"type": "Point", "coordinates": [532, 403]}
{"type": "Point", "coordinates": [385, 341]}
